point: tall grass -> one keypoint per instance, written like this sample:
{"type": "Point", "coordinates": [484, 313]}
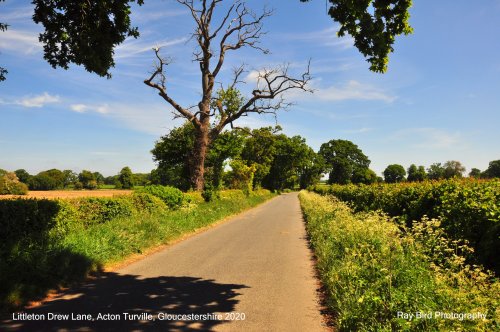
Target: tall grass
{"type": "Point", "coordinates": [375, 273]}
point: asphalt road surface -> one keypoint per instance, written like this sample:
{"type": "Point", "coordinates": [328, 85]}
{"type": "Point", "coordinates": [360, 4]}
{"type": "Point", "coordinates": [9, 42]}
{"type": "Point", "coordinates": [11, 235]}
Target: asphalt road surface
{"type": "Point", "coordinates": [252, 273]}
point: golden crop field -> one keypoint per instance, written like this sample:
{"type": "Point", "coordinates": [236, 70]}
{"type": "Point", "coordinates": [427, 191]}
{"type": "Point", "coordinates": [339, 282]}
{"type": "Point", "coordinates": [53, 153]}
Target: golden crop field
{"type": "Point", "coordinates": [55, 194]}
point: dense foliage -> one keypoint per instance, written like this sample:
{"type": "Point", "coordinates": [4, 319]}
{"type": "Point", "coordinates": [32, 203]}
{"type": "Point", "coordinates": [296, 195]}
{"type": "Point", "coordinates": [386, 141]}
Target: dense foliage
{"type": "Point", "coordinates": [372, 269]}
{"type": "Point", "coordinates": [172, 197]}
{"type": "Point", "coordinates": [469, 208]}
{"type": "Point", "coordinates": [84, 33]}
{"type": "Point", "coordinates": [374, 26]}
{"type": "Point", "coordinates": [343, 160]}
{"type": "Point", "coordinates": [263, 156]}
{"type": "Point", "coordinates": [10, 185]}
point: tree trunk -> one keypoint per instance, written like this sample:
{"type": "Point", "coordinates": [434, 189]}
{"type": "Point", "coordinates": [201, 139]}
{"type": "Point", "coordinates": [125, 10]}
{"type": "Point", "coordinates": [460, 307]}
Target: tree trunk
{"type": "Point", "coordinates": [199, 155]}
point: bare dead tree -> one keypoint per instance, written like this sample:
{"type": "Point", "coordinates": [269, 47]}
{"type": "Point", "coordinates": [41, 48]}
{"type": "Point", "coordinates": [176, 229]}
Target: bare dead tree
{"type": "Point", "coordinates": [238, 28]}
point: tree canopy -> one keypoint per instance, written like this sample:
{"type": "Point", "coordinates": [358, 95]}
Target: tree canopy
{"type": "Point", "coordinates": [493, 170]}
{"type": "Point", "coordinates": [394, 173]}
{"type": "Point", "coordinates": [342, 159]}
{"type": "Point", "coordinates": [374, 25]}
{"type": "Point", "coordinates": [416, 173]}
{"type": "Point", "coordinates": [84, 32]}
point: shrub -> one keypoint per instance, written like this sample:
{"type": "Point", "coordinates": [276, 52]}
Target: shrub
{"type": "Point", "coordinates": [210, 193]}
{"type": "Point", "coordinates": [98, 210]}
{"type": "Point", "coordinates": [148, 203]}
{"type": "Point", "coordinates": [172, 197]}
{"type": "Point", "coordinates": [10, 184]}
{"type": "Point", "coordinates": [468, 208]}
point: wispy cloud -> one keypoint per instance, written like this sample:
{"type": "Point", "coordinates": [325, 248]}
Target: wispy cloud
{"type": "Point", "coordinates": [135, 47]}
{"type": "Point", "coordinates": [357, 131]}
{"type": "Point", "coordinates": [428, 137]}
{"type": "Point", "coordinates": [83, 108]}
{"type": "Point", "coordinates": [18, 14]}
{"type": "Point", "coordinates": [33, 100]}
{"type": "Point", "coordinates": [152, 119]}
{"type": "Point", "coordinates": [326, 37]}
{"type": "Point", "coordinates": [153, 15]}
{"type": "Point", "coordinates": [353, 90]}
{"type": "Point", "coordinates": [25, 42]}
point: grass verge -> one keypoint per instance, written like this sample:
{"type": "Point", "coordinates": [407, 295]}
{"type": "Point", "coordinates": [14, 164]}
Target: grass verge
{"type": "Point", "coordinates": [32, 269]}
{"type": "Point", "coordinates": [380, 277]}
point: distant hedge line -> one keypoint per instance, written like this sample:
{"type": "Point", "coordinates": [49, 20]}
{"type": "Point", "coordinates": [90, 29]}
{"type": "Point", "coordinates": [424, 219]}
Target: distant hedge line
{"type": "Point", "coordinates": [469, 209]}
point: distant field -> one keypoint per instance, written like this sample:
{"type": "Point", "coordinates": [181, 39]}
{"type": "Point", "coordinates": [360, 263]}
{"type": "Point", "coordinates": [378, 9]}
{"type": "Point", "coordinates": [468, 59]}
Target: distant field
{"type": "Point", "coordinates": [53, 194]}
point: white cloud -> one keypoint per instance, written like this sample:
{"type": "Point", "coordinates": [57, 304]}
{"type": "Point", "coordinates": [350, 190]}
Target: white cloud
{"type": "Point", "coordinates": [352, 90]}
{"type": "Point", "coordinates": [79, 108]}
{"type": "Point", "coordinates": [152, 15]}
{"type": "Point", "coordinates": [152, 119]}
{"type": "Point", "coordinates": [83, 108]}
{"type": "Point", "coordinates": [134, 47]}
{"type": "Point", "coordinates": [37, 101]}
{"type": "Point", "coordinates": [326, 37]}
{"type": "Point", "coordinates": [25, 42]}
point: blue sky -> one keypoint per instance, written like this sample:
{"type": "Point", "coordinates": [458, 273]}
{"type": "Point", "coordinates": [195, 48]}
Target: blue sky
{"type": "Point", "coordinates": [439, 101]}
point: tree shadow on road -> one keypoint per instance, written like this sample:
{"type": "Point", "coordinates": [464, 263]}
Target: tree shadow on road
{"type": "Point", "coordinates": [114, 293]}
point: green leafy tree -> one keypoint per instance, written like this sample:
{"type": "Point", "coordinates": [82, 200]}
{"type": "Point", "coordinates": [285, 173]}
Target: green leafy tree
{"type": "Point", "coordinates": [87, 179]}
{"type": "Point", "coordinates": [416, 173]}
{"type": "Point", "coordinates": [292, 157]}
{"type": "Point", "coordinates": [42, 181]}
{"type": "Point", "coordinates": [493, 170]}
{"type": "Point", "coordinates": [70, 177]}
{"type": "Point", "coordinates": [23, 175]}
{"type": "Point", "coordinates": [47, 180]}
{"type": "Point", "coordinates": [10, 185]}
{"type": "Point", "coordinates": [453, 169]}
{"type": "Point", "coordinates": [99, 178]}
{"type": "Point", "coordinates": [228, 145]}
{"type": "Point", "coordinates": [475, 173]}
{"type": "Point", "coordinates": [364, 176]}
{"type": "Point", "coordinates": [111, 180]}
{"type": "Point", "coordinates": [125, 178]}
{"type": "Point", "coordinates": [240, 176]}
{"type": "Point", "coordinates": [435, 171]}
{"type": "Point", "coordinates": [342, 159]}
{"type": "Point", "coordinates": [84, 32]}
{"type": "Point", "coordinates": [142, 179]}
{"type": "Point", "coordinates": [172, 154]}
{"type": "Point", "coordinates": [311, 173]}
{"type": "Point", "coordinates": [373, 24]}
{"type": "Point", "coordinates": [259, 150]}
{"type": "Point", "coordinates": [394, 173]}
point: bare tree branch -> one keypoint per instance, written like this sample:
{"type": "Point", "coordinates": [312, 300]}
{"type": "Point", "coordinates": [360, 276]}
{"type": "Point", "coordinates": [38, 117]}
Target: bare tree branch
{"type": "Point", "coordinates": [238, 27]}
{"type": "Point", "coordinates": [268, 97]}
{"type": "Point", "coordinates": [157, 80]}
{"type": "Point", "coordinates": [247, 32]}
